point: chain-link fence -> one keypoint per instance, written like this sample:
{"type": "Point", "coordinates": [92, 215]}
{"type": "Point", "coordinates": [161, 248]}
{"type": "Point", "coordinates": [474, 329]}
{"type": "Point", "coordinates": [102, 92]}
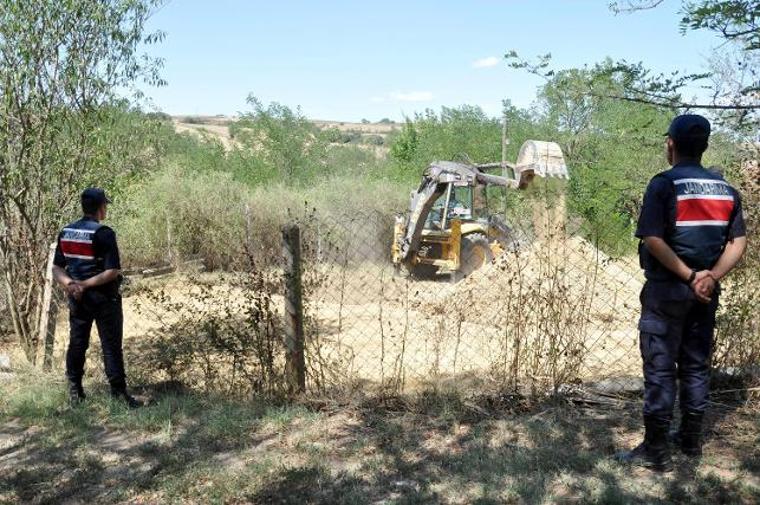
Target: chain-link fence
{"type": "Point", "coordinates": [547, 309]}
{"type": "Point", "coordinates": [553, 306]}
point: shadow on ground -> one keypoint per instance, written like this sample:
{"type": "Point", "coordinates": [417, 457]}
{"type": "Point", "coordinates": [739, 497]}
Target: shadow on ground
{"type": "Point", "coordinates": [435, 449]}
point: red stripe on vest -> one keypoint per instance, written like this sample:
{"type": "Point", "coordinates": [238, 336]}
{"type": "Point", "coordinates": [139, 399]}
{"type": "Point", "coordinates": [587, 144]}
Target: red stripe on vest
{"type": "Point", "coordinates": [699, 209]}
{"type": "Point", "coordinates": [78, 248]}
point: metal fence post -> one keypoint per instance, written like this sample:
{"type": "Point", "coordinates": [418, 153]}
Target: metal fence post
{"type": "Point", "coordinates": [295, 365]}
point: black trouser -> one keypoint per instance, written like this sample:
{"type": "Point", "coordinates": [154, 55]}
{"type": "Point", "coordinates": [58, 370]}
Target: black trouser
{"type": "Point", "coordinates": [105, 310]}
{"type": "Point", "coordinates": [676, 343]}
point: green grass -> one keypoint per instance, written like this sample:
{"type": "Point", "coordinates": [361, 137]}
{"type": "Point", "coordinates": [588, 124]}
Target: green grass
{"type": "Point", "coordinates": [434, 448]}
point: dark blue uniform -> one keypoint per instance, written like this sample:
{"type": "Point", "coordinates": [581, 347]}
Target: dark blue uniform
{"type": "Point", "coordinates": [696, 212]}
{"type": "Point", "coordinates": [85, 249]}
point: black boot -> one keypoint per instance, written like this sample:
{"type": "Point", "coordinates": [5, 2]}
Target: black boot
{"type": "Point", "coordinates": [689, 435]}
{"type": "Point", "coordinates": [121, 394]}
{"type": "Point", "coordinates": [654, 451]}
{"type": "Point", "coordinates": [76, 393]}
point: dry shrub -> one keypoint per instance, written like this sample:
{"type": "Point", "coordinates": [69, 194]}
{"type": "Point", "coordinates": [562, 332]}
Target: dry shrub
{"type": "Point", "coordinates": [551, 310]}
{"type": "Point", "coordinates": [179, 214]}
{"type": "Point", "coordinates": [344, 254]}
{"type": "Point", "coordinates": [538, 305]}
{"type": "Point", "coordinates": [545, 323]}
{"type": "Point", "coordinates": [738, 325]}
{"type": "Point", "coordinates": [223, 337]}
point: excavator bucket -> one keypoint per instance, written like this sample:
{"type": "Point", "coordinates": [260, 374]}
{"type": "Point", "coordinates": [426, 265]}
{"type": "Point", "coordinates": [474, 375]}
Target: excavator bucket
{"type": "Point", "coordinates": [542, 159]}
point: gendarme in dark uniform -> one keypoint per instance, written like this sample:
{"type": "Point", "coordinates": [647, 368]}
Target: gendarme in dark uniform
{"type": "Point", "coordinates": [692, 233]}
{"type": "Point", "coordinates": [87, 265]}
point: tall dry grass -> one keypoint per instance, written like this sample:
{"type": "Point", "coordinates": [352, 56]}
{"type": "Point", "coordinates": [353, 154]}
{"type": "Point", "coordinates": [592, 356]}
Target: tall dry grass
{"type": "Point", "coordinates": [178, 214]}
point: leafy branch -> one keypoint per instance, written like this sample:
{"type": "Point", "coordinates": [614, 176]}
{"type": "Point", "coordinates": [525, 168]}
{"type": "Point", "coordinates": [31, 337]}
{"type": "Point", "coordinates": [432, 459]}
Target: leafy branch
{"type": "Point", "coordinates": [639, 84]}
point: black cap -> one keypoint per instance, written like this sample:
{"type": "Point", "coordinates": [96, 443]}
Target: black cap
{"type": "Point", "coordinates": [689, 126]}
{"type": "Point", "coordinates": [95, 195]}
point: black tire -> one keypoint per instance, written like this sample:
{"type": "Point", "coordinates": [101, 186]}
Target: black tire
{"type": "Point", "coordinates": [424, 271]}
{"type": "Point", "coordinates": [475, 253]}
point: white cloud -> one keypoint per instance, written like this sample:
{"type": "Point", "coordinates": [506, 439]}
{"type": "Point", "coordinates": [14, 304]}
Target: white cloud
{"type": "Point", "coordinates": [490, 61]}
{"type": "Point", "coordinates": [412, 96]}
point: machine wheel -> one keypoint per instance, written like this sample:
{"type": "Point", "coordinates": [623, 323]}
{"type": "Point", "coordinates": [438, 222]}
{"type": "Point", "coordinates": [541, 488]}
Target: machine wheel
{"type": "Point", "coordinates": [506, 235]}
{"type": "Point", "coordinates": [424, 271]}
{"type": "Point", "coordinates": [476, 252]}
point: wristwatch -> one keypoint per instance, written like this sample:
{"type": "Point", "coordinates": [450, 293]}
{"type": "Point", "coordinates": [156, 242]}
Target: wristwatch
{"type": "Point", "coordinates": [692, 277]}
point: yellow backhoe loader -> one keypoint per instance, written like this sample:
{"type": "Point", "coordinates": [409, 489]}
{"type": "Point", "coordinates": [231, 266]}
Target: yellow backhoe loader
{"type": "Point", "coordinates": [449, 228]}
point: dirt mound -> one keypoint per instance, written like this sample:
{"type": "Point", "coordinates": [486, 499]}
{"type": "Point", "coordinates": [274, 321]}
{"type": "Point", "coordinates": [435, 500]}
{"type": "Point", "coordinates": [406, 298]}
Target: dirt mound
{"type": "Point", "coordinates": [570, 271]}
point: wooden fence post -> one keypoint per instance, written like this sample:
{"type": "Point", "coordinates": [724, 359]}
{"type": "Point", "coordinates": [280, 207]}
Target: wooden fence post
{"type": "Point", "coordinates": [248, 229]}
{"type": "Point", "coordinates": [169, 249]}
{"type": "Point", "coordinates": [295, 364]}
{"type": "Point", "coordinates": [48, 316]}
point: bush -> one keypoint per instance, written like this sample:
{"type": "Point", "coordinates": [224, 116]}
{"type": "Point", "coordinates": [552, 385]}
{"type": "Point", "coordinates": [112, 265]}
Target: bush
{"type": "Point", "coordinates": [283, 139]}
{"type": "Point", "coordinates": [374, 140]}
{"type": "Point", "coordinates": [335, 136]}
{"type": "Point", "coordinates": [182, 213]}
{"type": "Point", "coordinates": [738, 322]}
{"type": "Point", "coordinates": [161, 116]}
{"type": "Point", "coordinates": [193, 120]}
{"type": "Point", "coordinates": [225, 339]}
{"type": "Point", "coordinates": [463, 133]}
{"type": "Point", "coordinates": [179, 214]}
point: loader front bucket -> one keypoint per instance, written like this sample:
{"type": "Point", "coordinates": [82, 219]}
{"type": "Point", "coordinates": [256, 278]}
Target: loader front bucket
{"type": "Point", "coordinates": [542, 159]}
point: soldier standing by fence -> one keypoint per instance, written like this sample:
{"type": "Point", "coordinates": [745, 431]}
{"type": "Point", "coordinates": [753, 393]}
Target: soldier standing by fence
{"type": "Point", "coordinates": [693, 234]}
{"type": "Point", "coordinates": [87, 265]}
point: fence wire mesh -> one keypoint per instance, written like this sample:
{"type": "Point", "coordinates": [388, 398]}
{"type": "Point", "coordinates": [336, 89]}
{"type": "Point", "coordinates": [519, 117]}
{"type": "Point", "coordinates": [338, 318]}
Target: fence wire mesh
{"type": "Point", "coordinates": [556, 310]}
{"type": "Point", "coordinates": [552, 309]}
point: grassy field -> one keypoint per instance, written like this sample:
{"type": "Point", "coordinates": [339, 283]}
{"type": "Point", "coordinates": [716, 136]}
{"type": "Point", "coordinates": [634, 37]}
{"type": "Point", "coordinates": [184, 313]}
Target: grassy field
{"type": "Point", "coordinates": [433, 448]}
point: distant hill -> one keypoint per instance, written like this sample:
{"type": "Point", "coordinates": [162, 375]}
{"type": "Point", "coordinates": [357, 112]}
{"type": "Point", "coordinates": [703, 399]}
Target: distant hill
{"type": "Point", "coordinates": [218, 126]}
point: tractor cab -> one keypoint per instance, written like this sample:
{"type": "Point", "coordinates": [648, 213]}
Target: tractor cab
{"type": "Point", "coordinates": [458, 236]}
{"type": "Point", "coordinates": [454, 203]}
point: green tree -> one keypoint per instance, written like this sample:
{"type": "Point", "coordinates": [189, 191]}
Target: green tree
{"type": "Point", "coordinates": [284, 139]}
{"type": "Point", "coordinates": [404, 146]}
{"type": "Point", "coordinates": [578, 99]}
{"type": "Point", "coordinates": [613, 147]}
{"type": "Point", "coordinates": [734, 20]}
{"type": "Point", "coordinates": [60, 125]}
{"type": "Point", "coordinates": [462, 133]}
{"type": "Point", "coordinates": [734, 68]}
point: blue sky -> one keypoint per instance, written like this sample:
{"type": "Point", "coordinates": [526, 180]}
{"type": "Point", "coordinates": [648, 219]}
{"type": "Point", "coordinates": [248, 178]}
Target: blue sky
{"type": "Point", "coordinates": [347, 60]}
